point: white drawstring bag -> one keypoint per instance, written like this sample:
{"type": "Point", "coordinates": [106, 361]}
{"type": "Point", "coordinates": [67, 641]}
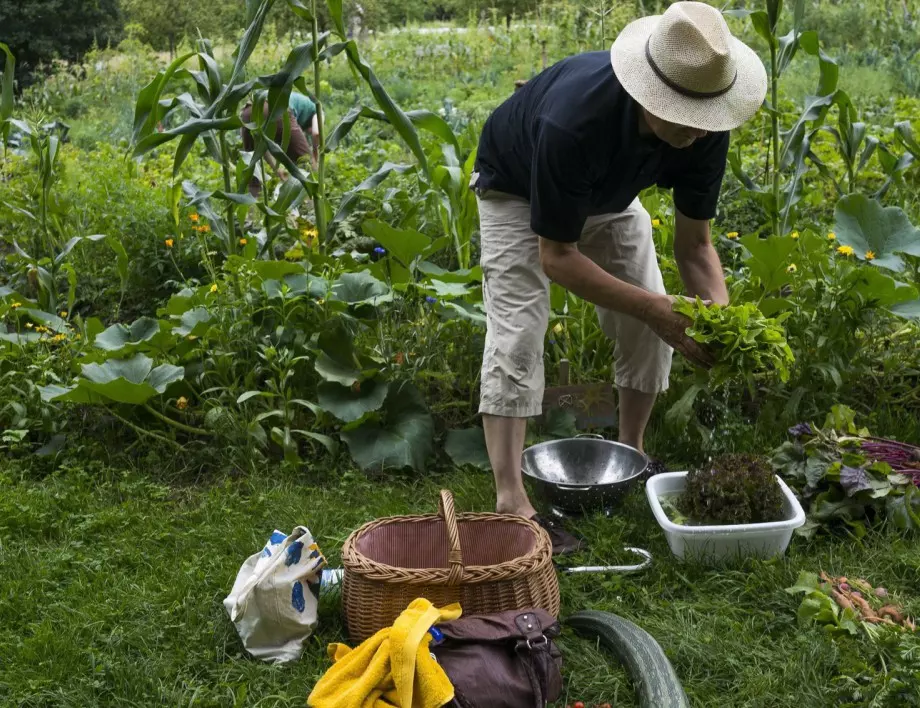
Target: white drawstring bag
{"type": "Point", "coordinates": [275, 597]}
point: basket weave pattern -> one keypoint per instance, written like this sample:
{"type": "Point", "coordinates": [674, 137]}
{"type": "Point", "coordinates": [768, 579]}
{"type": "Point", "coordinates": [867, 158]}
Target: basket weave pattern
{"type": "Point", "coordinates": [488, 563]}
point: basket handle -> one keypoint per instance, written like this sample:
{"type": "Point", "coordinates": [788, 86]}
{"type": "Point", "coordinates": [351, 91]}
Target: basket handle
{"type": "Point", "coordinates": [454, 555]}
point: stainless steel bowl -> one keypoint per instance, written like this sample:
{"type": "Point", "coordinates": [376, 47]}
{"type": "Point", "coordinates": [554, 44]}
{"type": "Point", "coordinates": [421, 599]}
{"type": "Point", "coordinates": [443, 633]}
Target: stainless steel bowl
{"type": "Point", "coordinates": [584, 473]}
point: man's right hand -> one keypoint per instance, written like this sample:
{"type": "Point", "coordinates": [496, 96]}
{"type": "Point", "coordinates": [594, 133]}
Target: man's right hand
{"type": "Point", "coordinates": [672, 328]}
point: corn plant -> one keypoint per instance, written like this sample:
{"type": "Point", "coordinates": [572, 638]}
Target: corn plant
{"type": "Point", "coordinates": [216, 111]}
{"type": "Point", "coordinates": [788, 149]}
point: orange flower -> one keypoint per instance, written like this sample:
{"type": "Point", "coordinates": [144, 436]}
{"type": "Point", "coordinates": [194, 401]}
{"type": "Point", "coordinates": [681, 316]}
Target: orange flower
{"type": "Point", "coordinates": [193, 218]}
{"type": "Point", "coordinates": [870, 255]}
{"type": "Point", "coordinates": [204, 228]}
{"type": "Point", "coordinates": [169, 243]}
{"type": "Point", "coordinates": [243, 242]}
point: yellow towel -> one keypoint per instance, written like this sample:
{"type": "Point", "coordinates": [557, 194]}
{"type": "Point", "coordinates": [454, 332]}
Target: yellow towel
{"type": "Point", "coordinates": [392, 669]}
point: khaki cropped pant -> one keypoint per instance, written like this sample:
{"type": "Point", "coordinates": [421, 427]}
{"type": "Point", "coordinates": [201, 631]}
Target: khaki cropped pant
{"type": "Point", "coordinates": [516, 294]}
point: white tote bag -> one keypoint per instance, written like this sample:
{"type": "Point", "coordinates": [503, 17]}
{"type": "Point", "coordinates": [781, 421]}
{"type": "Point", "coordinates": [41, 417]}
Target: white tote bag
{"type": "Point", "coordinates": [274, 599]}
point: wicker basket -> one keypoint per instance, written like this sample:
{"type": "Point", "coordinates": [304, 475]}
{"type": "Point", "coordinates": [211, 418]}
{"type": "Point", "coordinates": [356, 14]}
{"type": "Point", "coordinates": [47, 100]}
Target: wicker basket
{"type": "Point", "coordinates": [487, 562]}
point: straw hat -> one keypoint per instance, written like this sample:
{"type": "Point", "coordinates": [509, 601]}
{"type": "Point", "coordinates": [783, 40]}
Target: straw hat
{"type": "Point", "coordinates": [686, 67]}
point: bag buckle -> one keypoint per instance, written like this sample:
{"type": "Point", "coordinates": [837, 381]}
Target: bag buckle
{"type": "Point", "coordinates": [537, 643]}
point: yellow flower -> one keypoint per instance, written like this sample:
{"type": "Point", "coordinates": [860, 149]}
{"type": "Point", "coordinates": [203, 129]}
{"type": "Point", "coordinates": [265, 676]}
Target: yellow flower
{"type": "Point", "coordinates": [182, 403]}
{"type": "Point", "coordinates": [63, 313]}
{"type": "Point", "coordinates": [169, 243]}
{"type": "Point", "coordinates": [321, 301]}
{"type": "Point", "coordinates": [243, 242]}
{"type": "Point", "coordinates": [15, 305]}
{"type": "Point", "coordinates": [78, 336]}
{"type": "Point", "coordinates": [845, 250]}
{"type": "Point", "coordinates": [732, 235]}
{"type": "Point", "coordinates": [794, 235]}
{"type": "Point", "coordinates": [791, 268]}
{"type": "Point", "coordinates": [656, 223]}
{"type": "Point", "coordinates": [558, 328]}
{"type": "Point", "coordinates": [193, 218]}
{"type": "Point", "coordinates": [214, 287]}
{"type": "Point", "coordinates": [29, 325]}
{"type": "Point", "coordinates": [831, 236]}
{"type": "Point", "coordinates": [204, 228]}
{"type": "Point", "coordinates": [870, 255]}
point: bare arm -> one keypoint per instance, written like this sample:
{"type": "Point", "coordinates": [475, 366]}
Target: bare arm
{"type": "Point", "coordinates": [565, 265]}
{"type": "Point", "coordinates": [697, 260]}
{"type": "Point", "coordinates": [314, 139]}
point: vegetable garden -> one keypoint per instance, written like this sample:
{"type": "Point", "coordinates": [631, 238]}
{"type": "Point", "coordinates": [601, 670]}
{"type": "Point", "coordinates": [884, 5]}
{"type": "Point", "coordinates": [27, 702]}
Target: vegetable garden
{"type": "Point", "coordinates": [185, 366]}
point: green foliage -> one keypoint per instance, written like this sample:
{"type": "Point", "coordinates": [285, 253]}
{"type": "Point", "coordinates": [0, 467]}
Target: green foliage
{"type": "Point", "coordinates": [40, 31]}
{"type": "Point", "coordinates": [745, 343]}
{"type": "Point", "coordinates": [883, 232]}
{"type": "Point", "coordinates": [732, 489]}
{"type": "Point", "coordinates": [842, 483]}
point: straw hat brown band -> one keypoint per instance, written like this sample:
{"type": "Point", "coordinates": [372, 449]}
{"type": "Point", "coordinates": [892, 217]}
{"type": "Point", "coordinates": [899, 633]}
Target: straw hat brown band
{"type": "Point", "coordinates": [686, 67]}
{"type": "Point", "coordinates": [677, 87]}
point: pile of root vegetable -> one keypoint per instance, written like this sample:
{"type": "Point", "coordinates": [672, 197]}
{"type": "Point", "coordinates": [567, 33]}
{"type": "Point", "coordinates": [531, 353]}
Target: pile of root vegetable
{"type": "Point", "coordinates": [845, 606]}
{"type": "Point", "coordinates": [869, 603]}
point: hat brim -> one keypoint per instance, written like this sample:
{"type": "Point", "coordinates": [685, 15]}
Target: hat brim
{"type": "Point", "coordinates": [718, 114]}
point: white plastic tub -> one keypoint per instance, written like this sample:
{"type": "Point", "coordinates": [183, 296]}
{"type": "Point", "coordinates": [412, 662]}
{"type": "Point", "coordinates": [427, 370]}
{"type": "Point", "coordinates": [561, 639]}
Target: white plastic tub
{"type": "Point", "coordinates": [715, 544]}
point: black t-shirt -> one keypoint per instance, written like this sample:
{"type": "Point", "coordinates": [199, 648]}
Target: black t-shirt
{"type": "Point", "coordinates": [568, 141]}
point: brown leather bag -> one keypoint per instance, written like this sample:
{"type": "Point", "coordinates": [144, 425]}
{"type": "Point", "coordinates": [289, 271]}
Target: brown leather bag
{"type": "Point", "coordinates": [505, 660]}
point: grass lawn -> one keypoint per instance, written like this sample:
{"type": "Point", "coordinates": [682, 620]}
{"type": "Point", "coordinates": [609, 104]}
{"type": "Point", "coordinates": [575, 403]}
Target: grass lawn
{"type": "Point", "coordinates": [111, 582]}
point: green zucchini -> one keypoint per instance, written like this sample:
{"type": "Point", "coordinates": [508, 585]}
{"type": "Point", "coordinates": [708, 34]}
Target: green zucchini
{"type": "Point", "coordinates": [656, 682]}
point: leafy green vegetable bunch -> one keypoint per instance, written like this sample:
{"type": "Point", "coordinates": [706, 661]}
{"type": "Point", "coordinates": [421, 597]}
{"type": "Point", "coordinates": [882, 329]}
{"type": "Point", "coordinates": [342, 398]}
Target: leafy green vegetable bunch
{"type": "Point", "coordinates": [840, 482]}
{"type": "Point", "coordinates": [745, 342]}
{"type": "Point", "coordinates": [733, 489]}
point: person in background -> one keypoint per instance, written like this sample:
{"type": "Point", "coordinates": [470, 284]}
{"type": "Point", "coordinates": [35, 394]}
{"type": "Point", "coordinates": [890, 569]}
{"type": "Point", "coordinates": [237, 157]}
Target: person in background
{"type": "Point", "coordinates": [559, 170]}
{"type": "Point", "coordinates": [304, 138]}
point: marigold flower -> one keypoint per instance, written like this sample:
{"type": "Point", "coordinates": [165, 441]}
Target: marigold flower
{"type": "Point", "coordinates": [204, 228]}
{"type": "Point", "coordinates": [193, 218]}
{"type": "Point", "coordinates": [169, 243]}
{"type": "Point", "coordinates": [243, 242]}
{"type": "Point", "coordinates": [791, 268]}
{"type": "Point", "coordinates": [310, 237]}
{"type": "Point", "coordinates": [870, 255]}
{"type": "Point", "coordinates": [214, 287]}
{"type": "Point", "coordinates": [845, 250]}
{"type": "Point", "coordinates": [182, 403]}
{"type": "Point", "coordinates": [732, 235]}
{"type": "Point", "coordinates": [15, 305]}
{"type": "Point", "coordinates": [794, 235]}
{"type": "Point", "coordinates": [831, 236]}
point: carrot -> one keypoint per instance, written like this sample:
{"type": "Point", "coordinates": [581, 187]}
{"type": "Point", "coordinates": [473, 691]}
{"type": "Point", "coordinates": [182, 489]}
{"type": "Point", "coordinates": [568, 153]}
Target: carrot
{"type": "Point", "coordinates": [841, 600]}
{"type": "Point", "coordinates": [893, 612]}
{"type": "Point", "coordinates": [865, 609]}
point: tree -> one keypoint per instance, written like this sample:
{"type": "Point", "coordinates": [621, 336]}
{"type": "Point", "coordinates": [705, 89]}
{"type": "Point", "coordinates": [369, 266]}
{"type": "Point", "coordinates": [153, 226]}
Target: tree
{"type": "Point", "coordinates": [167, 22]}
{"type": "Point", "coordinates": [38, 31]}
